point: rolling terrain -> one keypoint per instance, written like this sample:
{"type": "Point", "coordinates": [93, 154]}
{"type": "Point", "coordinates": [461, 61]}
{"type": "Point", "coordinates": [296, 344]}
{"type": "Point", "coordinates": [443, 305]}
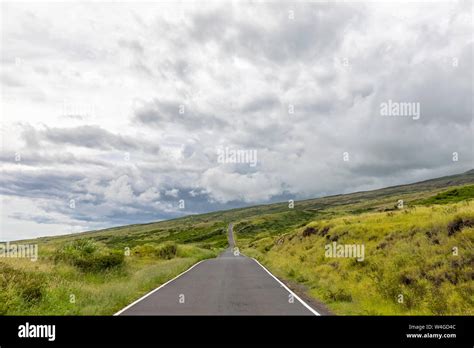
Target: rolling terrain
{"type": "Point", "coordinates": [418, 255]}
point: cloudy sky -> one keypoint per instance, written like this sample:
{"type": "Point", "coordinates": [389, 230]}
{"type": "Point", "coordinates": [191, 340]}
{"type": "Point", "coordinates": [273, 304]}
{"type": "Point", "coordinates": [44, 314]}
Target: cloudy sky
{"type": "Point", "coordinates": [113, 113]}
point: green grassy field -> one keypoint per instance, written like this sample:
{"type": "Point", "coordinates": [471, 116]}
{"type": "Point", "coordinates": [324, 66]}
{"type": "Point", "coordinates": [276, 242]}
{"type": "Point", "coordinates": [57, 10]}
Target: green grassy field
{"type": "Point", "coordinates": [418, 258]}
{"type": "Point", "coordinates": [417, 261]}
{"type": "Point", "coordinates": [99, 273]}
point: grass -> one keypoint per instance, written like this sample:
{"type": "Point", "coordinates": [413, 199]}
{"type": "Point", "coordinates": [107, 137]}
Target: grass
{"type": "Point", "coordinates": [47, 287]}
{"type": "Point", "coordinates": [408, 252]}
{"type": "Point", "coordinates": [457, 194]}
{"type": "Point", "coordinates": [421, 253]}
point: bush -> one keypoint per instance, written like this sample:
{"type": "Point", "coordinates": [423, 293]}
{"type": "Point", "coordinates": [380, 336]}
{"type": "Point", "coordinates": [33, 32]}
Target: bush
{"type": "Point", "coordinates": [145, 250]}
{"type": "Point", "coordinates": [17, 284]}
{"type": "Point", "coordinates": [75, 250]}
{"type": "Point", "coordinates": [167, 251]}
{"type": "Point", "coordinates": [85, 246]}
{"type": "Point", "coordinates": [110, 260]}
{"type": "Point", "coordinates": [338, 294]}
{"type": "Point", "coordinates": [458, 224]}
{"type": "Point", "coordinates": [308, 231]}
{"type": "Point", "coordinates": [31, 289]}
{"type": "Point", "coordinates": [88, 257]}
{"type": "Point", "coordinates": [99, 262]}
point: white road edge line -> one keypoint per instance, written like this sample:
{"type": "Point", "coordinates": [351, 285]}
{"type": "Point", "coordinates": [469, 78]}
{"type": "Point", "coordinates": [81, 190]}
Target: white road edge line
{"type": "Point", "coordinates": [287, 289]}
{"type": "Point", "coordinates": [155, 290]}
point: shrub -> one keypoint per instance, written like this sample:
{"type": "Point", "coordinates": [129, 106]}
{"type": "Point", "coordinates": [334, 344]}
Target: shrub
{"type": "Point", "coordinates": [145, 250]}
{"type": "Point", "coordinates": [458, 224]}
{"type": "Point", "coordinates": [14, 283]}
{"type": "Point", "coordinates": [31, 289]}
{"type": "Point", "coordinates": [308, 231]}
{"type": "Point", "coordinates": [450, 196]}
{"type": "Point", "coordinates": [338, 294]}
{"type": "Point", "coordinates": [167, 251]}
{"type": "Point", "coordinates": [75, 250]}
{"type": "Point", "coordinates": [99, 262]}
{"type": "Point", "coordinates": [110, 260]}
{"type": "Point", "coordinates": [84, 246]}
{"type": "Point", "coordinates": [88, 257]}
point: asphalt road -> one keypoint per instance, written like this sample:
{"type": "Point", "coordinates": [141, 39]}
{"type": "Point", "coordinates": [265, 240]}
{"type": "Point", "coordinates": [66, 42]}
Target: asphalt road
{"type": "Point", "coordinates": [230, 284]}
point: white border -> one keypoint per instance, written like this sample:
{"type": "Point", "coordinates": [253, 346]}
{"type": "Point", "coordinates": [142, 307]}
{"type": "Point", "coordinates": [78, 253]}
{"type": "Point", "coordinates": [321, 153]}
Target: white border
{"type": "Point", "coordinates": [287, 289]}
{"type": "Point", "coordinates": [158, 288]}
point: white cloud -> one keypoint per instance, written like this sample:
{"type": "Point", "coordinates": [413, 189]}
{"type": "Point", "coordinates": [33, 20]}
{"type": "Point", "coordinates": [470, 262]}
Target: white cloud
{"type": "Point", "coordinates": [150, 195]}
{"type": "Point", "coordinates": [122, 106]}
{"type": "Point", "coordinates": [172, 193]}
{"type": "Point", "coordinates": [226, 186]}
{"type": "Point", "coordinates": [119, 191]}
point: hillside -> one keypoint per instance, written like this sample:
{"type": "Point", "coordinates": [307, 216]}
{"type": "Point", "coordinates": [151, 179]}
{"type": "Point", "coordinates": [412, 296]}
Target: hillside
{"type": "Point", "coordinates": [211, 226]}
{"type": "Point", "coordinates": [408, 251]}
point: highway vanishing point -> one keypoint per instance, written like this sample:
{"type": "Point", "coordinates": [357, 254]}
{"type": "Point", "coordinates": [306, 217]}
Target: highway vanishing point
{"type": "Point", "coordinates": [231, 284]}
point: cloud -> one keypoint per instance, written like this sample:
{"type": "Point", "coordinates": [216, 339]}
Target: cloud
{"type": "Point", "coordinates": [87, 136]}
{"type": "Point", "coordinates": [172, 193]}
{"type": "Point", "coordinates": [119, 190]}
{"type": "Point", "coordinates": [121, 108]}
{"type": "Point", "coordinates": [180, 114]}
{"type": "Point", "coordinates": [230, 186]}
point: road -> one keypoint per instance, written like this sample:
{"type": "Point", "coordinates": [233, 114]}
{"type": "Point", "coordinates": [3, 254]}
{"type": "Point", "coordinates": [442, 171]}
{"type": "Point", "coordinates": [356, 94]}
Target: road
{"type": "Point", "coordinates": [231, 284]}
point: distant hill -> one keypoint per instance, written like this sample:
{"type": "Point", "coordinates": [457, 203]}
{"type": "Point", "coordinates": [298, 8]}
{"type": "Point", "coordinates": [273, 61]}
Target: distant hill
{"type": "Point", "coordinates": [408, 232]}
{"type": "Point", "coordinates": [211, 226]}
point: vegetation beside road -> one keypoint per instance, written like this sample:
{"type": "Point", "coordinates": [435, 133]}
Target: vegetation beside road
{"type": "Point", "coordinates": [409, 251]}
{"type": "Point", "coordinates": [418, 261]}
{"type": "Point", "coordinates": [101, 272]}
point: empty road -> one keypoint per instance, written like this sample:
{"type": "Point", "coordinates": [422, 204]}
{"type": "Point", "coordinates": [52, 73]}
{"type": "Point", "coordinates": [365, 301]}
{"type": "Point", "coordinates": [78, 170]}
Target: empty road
{"type": "Point", "coordinates": [230, 284]}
